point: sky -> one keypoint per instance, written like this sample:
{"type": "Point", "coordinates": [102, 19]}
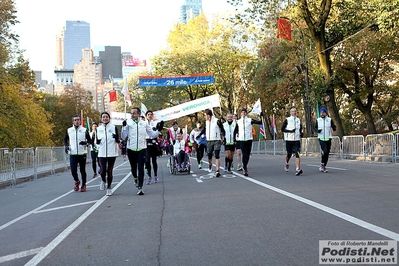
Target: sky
{"type": "Point", "coordinates": [138, 26]}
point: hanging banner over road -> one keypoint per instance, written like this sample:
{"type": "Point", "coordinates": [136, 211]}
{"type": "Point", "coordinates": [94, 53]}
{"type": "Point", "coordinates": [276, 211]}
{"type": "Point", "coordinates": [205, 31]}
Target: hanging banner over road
{"type": "Point", "coordinates": [175, 111]}
{"type": "Point", "coordinates": [183, 80]}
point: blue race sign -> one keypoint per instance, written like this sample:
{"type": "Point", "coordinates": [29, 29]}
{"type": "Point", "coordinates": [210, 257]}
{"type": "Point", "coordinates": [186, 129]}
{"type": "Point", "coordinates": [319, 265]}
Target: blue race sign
{"type": "Point", "coordinates": [183, 80]}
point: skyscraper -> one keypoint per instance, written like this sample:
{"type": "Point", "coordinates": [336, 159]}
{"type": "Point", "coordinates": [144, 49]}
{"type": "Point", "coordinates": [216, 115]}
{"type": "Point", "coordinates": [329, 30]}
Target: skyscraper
{"type": "Point", "coordinates": [190, 9]}
{"type": "Point", "coordinates": [76, 38]}
{"type": "Point", "coordinates": [111, 61]}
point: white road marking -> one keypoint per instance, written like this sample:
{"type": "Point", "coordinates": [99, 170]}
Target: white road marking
{"type": "Point", "coordinates": [67, 206]}
{"type": "Point", "coordinates": [344, 216]}
{"type": "Point", "coordinates": [328, 167]}
{"type": "Point", "coordinates": [199, 180]}
{"type": "Point", "coordinates": [53, 244]}
{"type": "Point", "coordinates": [34, 210]}
{"type": "Point", "coordinates": [20, 254]}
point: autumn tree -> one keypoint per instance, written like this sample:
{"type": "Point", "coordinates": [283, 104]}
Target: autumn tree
{"type": "Point", "coordinates": [23, 123]}
{"type": "Point", "coordinates": [72, 101]}
{"type": "Point", "coordinates": [364, 71]}
{"type": "Point", "coordinates": [328, 22]}
{"type": "Point", "coordinates": [201, 46]}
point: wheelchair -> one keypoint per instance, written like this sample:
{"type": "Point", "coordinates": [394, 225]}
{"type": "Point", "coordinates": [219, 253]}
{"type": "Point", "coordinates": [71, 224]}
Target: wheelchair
{"type": "Point", "coordinates": [175, 168]}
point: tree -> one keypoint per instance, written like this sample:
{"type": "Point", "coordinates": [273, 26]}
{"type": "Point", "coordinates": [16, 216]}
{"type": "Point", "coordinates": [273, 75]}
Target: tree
{"type": "Point", "coordinates": [23, 122]}
{"type": "Point", "coordinates": [364, 69]}
{"type": "Point", "coordinates": [203, 47]}
{"type": "Point", "coordinates": [328, 23]}
{"type": "Point", "coordinates": [72, 101]}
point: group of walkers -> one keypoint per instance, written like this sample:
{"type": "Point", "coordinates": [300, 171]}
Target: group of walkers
{"type": "Point", "coordinates": [140, 139]}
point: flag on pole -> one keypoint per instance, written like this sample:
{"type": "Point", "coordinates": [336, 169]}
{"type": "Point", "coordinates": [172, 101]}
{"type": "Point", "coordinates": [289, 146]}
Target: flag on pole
{"type": "Point", "coordinates": [284, 29]}
{"type": "Point", "coordinates": [261, 132]}
{"type": "Point", "coordinates": [274, 126]}
{"type": "Point", "coordinates": [87, 124]}
{"type": "Point", "coordinates": [125, 92]}
{"type": "Point", "coordinates": [82, 121]}
{"type": "Point", "coordinates": [257, 109]}
{"type": "Point", "coordinates": [112, 96]}
{"type": "Point", "coordinates": [143, 109]}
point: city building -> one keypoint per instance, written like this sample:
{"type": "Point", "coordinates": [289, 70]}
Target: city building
{"type": "Point", "coordinates": [59, 50]}
{"type": "Point", "coordinates": [63, 77]}
{"type": "Point", "coordinates": [76, 38]}
{"type": "Point", "coordinates": [111, 62]}
{"type": "Point", "coordinates": [42, 85]}
{"type": "Point", "coordinates": [88, 73]}
{"type": "Point", "coordinates": [132, 64]}
{"type": "Point", "coordinates": [189, 10]}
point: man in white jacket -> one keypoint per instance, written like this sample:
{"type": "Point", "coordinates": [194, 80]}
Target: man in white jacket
{"type": "Point", "coordinates": [136, 130]}
{"type": "Point", "coordinates": [292, 129]}
{"type": "Point", "coordinates": [324, 125]}
{"type": "Point", "coordinates": [76, 140]}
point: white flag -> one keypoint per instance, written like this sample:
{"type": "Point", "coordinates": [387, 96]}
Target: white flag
{"type": "Point", "coordinates": [125, 92]}
{"type": "Point", "coordinates": [257, 109]}
{"type": "Point", "coordinates": [143, 109]}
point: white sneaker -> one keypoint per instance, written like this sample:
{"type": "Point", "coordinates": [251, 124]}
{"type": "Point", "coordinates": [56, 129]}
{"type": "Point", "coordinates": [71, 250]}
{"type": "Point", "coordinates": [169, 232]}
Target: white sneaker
{"type": "Point", "coordinates": [109, 192]}
{"type": "Point", "coordinates": [210, 170]}
{"type": "Point", "coordinates": [102, 185]}
{"type": "Point", "coordinates": [321, 168]}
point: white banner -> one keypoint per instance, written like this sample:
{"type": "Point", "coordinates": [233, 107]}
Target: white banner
{"type": "Point", "coordinates": [175, 111]}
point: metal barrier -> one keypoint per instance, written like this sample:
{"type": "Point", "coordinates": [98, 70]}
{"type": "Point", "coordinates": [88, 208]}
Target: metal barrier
{"type": "Point", "coordinates": [44, 160]}
{"type": "Point", "coordinates": [5, 165]}
{"type": "Point", "coordinates": [29, 162]}
{"type": "Point", "coordinates": [379, 147]}
{"type": "Point", "coordinates": [24, 163]}
{"type": "Point", "coordinates": [396, 147]}
{"type": "Point", "coordinates": [352, 146]}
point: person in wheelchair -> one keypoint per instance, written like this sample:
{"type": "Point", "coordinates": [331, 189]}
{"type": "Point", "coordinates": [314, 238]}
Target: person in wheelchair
{"type": "Point", "coordinates": [179, 153]}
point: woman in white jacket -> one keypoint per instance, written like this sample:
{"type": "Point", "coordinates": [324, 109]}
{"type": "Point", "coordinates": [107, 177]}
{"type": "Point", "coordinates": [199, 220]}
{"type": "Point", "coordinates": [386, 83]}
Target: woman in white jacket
{"type": "Point", "coordinates": [107, 139]}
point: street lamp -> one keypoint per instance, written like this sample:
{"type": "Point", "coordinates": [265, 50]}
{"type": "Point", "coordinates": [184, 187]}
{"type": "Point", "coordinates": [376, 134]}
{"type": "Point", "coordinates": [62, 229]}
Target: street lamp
{"type": "Point", "coordinates": [304, 67]}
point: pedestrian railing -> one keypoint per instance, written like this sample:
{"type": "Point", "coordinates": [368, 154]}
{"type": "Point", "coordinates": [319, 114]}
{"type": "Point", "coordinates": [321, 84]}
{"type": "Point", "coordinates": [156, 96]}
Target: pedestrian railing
{"type": "Point", "coordinates": [30, 162]}
{"type": "Point", "coordinates": [6, 172]}
{"type": "Point", "coordinates": [374, 147]}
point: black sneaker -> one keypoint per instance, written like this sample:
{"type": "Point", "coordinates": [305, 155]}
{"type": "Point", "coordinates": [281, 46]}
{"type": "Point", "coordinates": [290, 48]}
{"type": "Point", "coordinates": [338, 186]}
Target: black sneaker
{"type": "Point", "coordinates": [140, 191]}
{"type": "Point", "coordinates": [217, 174]}
{"type": "Point", "coordinates": [298, 172]}
{"type": "Point", "coordinates": [245, 173]}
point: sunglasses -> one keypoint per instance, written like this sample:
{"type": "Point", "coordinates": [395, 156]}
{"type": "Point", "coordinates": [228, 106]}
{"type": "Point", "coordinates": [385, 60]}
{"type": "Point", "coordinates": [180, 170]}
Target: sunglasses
{"type": "Point", "coordinates": [76, 119]}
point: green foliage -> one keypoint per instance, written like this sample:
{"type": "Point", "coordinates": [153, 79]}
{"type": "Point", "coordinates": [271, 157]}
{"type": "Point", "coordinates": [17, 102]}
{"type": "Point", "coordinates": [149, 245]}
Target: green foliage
{"type": "Point", "coordinates": [335, 23]}
{"type": "Point", "coordinates": [201, 46]}
{"type": "Point", "coordinates": [364, 68]}
{"type": "Point", "coordinates": [72, 101]}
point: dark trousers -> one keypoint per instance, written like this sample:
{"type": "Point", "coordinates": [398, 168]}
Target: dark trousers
{"type": "Point", "coordinates": [246, 147]}
{"type": "Point", "coordinates": [137, 161]}
{"type": "Point", "coordinates": [181, 158]}
{"type": "Point", "coordinates": [151, 156]}
{"type": "Point", "coordinates": [74, 161]}
{"type": "Point", "coordinates": [325, 150]}
{"type": "Point", "coordinates": [94, 161]}
{"type": "Point", "coordinates": [200, 152]}
{"type": "Point", "coordinates": [107, 166]}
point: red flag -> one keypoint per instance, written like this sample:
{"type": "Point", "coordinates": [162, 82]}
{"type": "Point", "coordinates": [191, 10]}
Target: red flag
{"type": "Point", "coordinates": [284, 29]}
{"type": "Point", "coordinates": [112, 96]}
